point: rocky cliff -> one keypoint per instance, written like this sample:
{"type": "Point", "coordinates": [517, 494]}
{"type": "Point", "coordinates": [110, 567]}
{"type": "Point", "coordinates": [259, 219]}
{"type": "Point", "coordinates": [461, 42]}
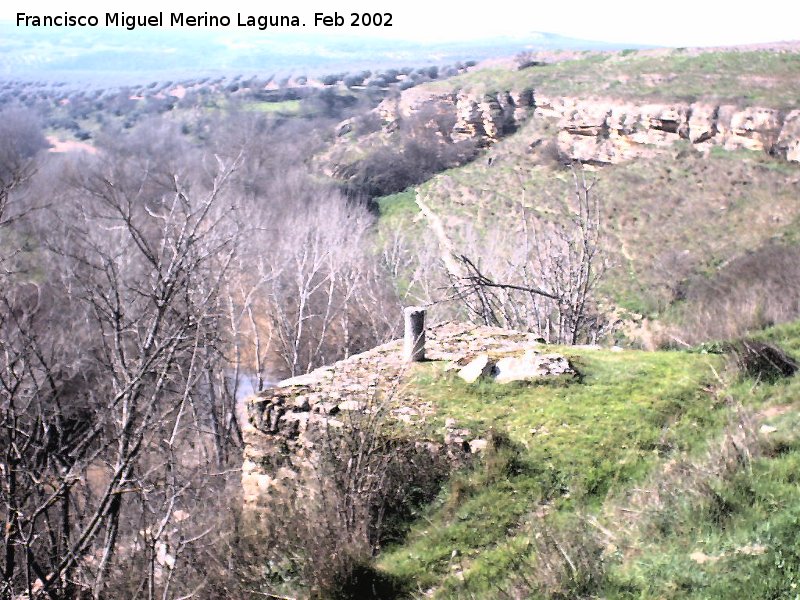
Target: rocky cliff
{"type": "Point", "coordinates": [484, 118]}
{"type": "Point", "coordinates": [604, 130]}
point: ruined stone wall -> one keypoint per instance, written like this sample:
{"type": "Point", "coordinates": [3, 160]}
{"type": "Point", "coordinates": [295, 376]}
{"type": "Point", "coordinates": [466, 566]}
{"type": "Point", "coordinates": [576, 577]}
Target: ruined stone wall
{"type": "Point", "coordinates": [285, 428]}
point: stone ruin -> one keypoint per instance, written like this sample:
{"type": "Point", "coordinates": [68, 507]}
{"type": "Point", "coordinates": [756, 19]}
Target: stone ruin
{"type": "Point", "coordinates": [284, 426]}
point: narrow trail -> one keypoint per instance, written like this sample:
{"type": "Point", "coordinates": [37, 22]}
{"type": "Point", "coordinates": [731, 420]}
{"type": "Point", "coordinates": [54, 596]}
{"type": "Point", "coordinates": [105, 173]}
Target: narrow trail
{"type": "Point", "coordinates": [452, 265]}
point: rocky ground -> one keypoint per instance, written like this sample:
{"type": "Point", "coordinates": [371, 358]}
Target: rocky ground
{"type": "Point", "coordinates": [285, 424]}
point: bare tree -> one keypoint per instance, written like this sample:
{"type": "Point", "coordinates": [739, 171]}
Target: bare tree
{"type": "Point", "coordinates": [106, 425]}
{"type": "Point", "coordinates": [328, 295]}
{"type": "Point", "coordinates": [20, 140]}
{"type": "Point", "coordinates": [544, 279]}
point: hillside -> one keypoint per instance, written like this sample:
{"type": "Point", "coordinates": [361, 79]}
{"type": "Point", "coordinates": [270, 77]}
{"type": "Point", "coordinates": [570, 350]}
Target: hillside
{"type": "Point", "coordinates": [202, 393]}
{"type": "Point", "coordinates": [687, 204]}
{"type": "Point", "coordinates": [664, 473]}
{"type": "Point", "coordinates": [648, 477]}
{"type": "Point", "coordinates": [648, 473]}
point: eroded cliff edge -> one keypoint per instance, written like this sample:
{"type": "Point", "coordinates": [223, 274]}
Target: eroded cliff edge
{"type": "Point", "coordinates": [606, 130]}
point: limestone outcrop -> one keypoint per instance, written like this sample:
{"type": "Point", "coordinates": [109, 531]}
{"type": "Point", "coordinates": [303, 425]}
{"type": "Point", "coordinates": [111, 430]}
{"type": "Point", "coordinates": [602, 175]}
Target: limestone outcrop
{"type": "Point", "coordinates": [605, 130]}
{"type": "Point", "coordinates": [531, 365]}
{"type": "Point", "coordinates": [484, 118]}
{"type": "Point", "coordinates": [788, 144]}
{"type": "Point", "coordinates": [285, 427]}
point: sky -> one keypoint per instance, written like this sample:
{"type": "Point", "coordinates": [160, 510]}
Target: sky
{"type": "Point", "coordinates": [674, 23]}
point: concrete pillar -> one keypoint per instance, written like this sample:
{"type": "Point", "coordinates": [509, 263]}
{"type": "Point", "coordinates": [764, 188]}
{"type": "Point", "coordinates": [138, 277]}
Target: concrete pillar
{"type": "Point", "coordinates": [414, 339]}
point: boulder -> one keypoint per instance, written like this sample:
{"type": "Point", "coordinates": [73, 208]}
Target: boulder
{"type": "Point", "coordinates": [530, 366]}
{"type": "Point", "coordinates": [753, 128]}
{"type": "Point", "coordinates": [478, 368]}
{"type": "Point", "coordinates": [788, 144]}
{"type": "Point", "coordinates": [351, 405]}
{"type": "Point", "coordinates": [588, 120]}
{"type": "Point", "coordinates": [301, 404]}
{"type": "Point", "coordinates": [469, 118]}
{"type": "Point", "coordinates": [478, 445]}
{"type": "Point", "coordinates": [344, 127]}
{"type": "Point", "coordinates": [702, 122]}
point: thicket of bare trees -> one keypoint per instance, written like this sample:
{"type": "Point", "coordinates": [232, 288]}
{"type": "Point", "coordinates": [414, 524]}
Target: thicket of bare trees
{"type": "Point", "coordinates": [136, 287]}
{"type": "Point", "coordinates": [310, 288]}
{"type": "Point", "coordinates": [327, 298]}
{"type": "Point", "coordinates": [420, 146]}
{"type": "Point", "coordinates": [115, 409]}
{"type": "Point", "coordinates": [543, 278]}
{"type": "Point", "coordinates": [22, 140]}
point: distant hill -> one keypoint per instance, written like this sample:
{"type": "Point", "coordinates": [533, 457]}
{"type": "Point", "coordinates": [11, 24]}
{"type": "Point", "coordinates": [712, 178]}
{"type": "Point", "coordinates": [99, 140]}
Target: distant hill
{"type": "Point", "coordinates": [125, 56]}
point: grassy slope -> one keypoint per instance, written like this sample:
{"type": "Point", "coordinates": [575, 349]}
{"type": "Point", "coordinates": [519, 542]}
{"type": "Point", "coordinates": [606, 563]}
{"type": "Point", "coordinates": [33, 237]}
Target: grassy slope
{"type": "Point", "coordinates": [743, 544]}
{"type": "Point", "coordinates": [667, 217]}
{"type": "Point", "coordinates": [283, 107]}
{"type": "Point", "coordinates": [744, 78]}
{"type": "Point", "coordinates": [752, 547]}
{"type": "Point", "coordinates": [578, 447]}
{"type": "Point", "coordinates": [572, 442]}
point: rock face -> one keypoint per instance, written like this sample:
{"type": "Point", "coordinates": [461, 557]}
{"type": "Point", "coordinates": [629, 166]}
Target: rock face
{"type": "Point", "coordinates": [492, 116]}
{"type": "Point", "coordinates": [285, 427]}
{"type": "Point", "coordinates": [531, 366]}
{"type": "Point", "coordinates": [606, 131]}
{"type": "Point", "coordinates": [481, 367]}
{"type": "Point", "coordinates": [788, 144]}
{"type": "Point", "coordinates": [485, 118]}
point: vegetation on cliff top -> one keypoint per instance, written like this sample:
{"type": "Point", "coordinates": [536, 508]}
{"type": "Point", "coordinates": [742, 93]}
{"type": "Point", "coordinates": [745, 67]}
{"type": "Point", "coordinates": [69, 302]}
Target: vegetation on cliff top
{"type": "Point", "coordinates": [651, 475]}
{"type": "Point", "coordinates": [733, 77]}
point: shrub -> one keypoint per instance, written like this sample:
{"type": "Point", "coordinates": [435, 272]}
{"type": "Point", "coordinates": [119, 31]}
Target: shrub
{"type": "Point", "coordinates": [749, 293]}
{"type": "Point", "coordinates": [761, 360]}
{"type": "Point", "coordinates": [502, 458]}
{"type": "Point", "coordinates": [360, 493]}
{"type": "Point", "coordinates": [566, 562]}
{"type": "Point", "coordinates": [687, 486]}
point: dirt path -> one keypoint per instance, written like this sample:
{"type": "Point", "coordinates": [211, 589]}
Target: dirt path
{"type": "Point", "coordinates": [445, 243]}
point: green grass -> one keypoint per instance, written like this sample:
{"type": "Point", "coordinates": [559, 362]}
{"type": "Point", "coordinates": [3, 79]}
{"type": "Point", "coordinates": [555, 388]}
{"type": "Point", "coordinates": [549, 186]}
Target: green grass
{"type": "Point", "coordinates": [787, 336]}
{"type": "Point", "coordinates": [744, 78]}
{"type": "Point", "coordinates": [572, 451]}
{"type": "Point", "coordinates": [752, 542]}
{"type": "Point", "coordinates": [284, 107]}
{"type": "Point", "coordinates": [569, 443]}
{"type": "Point", "coordinates": [397, 206]}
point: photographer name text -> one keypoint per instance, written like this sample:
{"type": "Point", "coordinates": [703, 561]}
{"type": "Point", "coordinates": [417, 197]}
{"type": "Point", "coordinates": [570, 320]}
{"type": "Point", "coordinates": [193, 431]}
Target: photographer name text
{"type": "Point", "coordinates": [161, 19]}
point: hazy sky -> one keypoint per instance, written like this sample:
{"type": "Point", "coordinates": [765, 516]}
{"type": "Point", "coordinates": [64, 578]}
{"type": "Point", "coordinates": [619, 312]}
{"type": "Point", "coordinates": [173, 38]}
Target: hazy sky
{"type": "Point", "coordinates": [673, 23]}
